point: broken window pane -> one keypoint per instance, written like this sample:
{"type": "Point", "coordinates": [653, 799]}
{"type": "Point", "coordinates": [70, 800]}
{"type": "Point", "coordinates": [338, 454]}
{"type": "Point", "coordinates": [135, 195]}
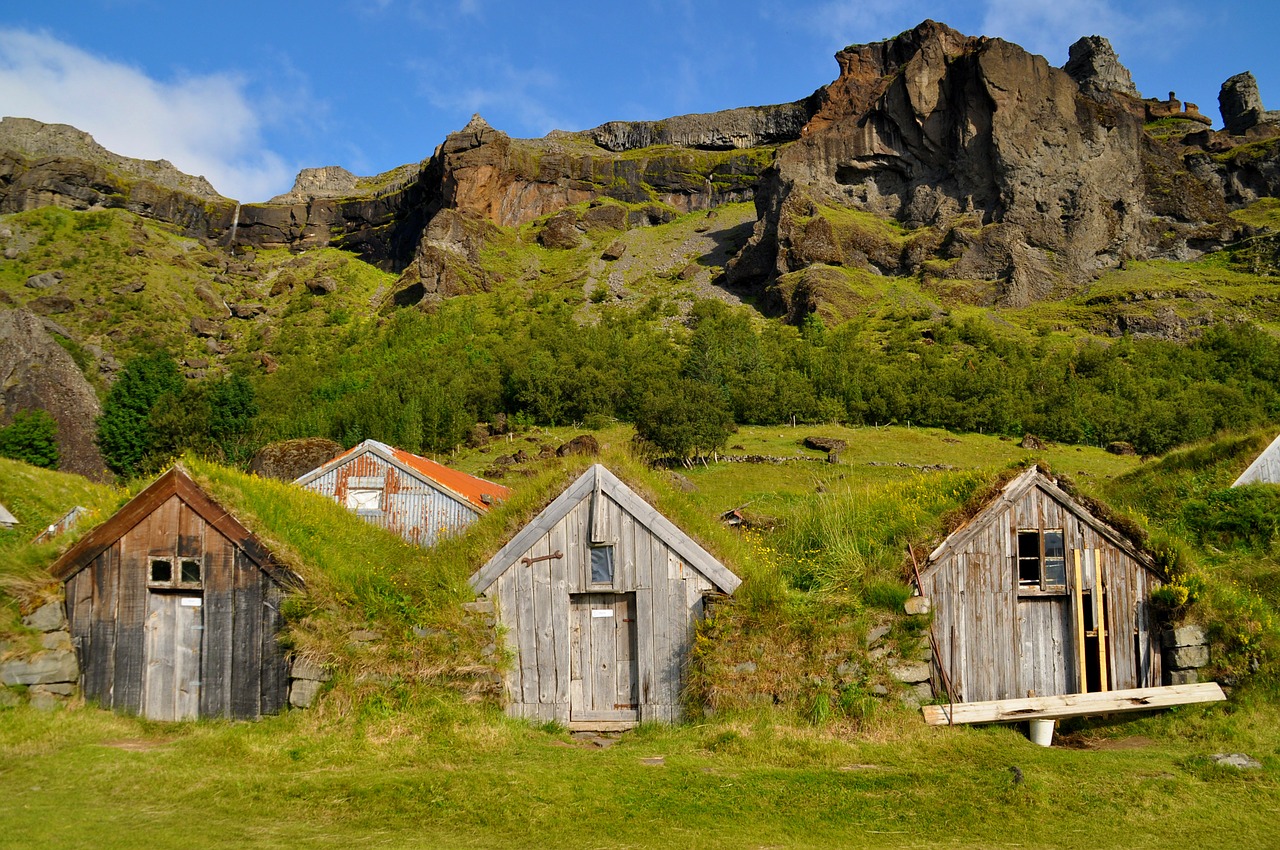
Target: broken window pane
{"type": "Point", "coordinates": [190, 571]}
{"type": "Point", "coordinates": [161, 571]}
{"type": "Point", "coordinates": [1029, 558]}
{"type": "Point", "coordinates": [364, 500]}
{"type": "Point", "coordinates": [602, 565]}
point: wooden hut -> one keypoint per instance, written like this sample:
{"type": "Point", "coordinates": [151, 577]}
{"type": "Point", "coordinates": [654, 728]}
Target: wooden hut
{"type": "Point", "coordinates": [174, 607]}
{"type": "Point", "coordinates": [1038, 596]}
{"type": "Point", "coordinates": [411, 496]}
{"type": "Point", "coordinates": [599, 595]}
{"type": "Point", "coordinates": [1265, 468]}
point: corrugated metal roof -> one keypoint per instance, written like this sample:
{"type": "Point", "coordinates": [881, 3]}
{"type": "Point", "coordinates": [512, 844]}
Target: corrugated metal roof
{"type": "Point", "coordinates": [471, 489]}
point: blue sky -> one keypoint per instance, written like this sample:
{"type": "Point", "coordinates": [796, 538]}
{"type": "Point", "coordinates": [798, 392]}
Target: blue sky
{"type": "Point", "coordinates": [248, 93]}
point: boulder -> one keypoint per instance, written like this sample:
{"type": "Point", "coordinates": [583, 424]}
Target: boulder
{"type": "Point", "coordinates": [1187, 635]}
{"type": "Point", "coordinates": [304, 668]}
{"type": "Point", "coordinates": [583, 444]}
{"type": "Point", "coordinates": [247, 311]}
{"type": "Point", "coordinates": [605, 217]}
{"type": "Point", "coordinates": [1184, 657]}
{"type": "Point", "coordinates": [303, 692]}
{"type": "Point", "coordinates": [288, 460]}
{"type": "Point", "coordinates": [1119, 447]}
{"type": "Point", "coordinates": [51, 305]}
{"type": "Point", "coordinates": [615, 251]}
{"type": "Point", "coordinates": [910, 672]}
{"type": "Point", "coordinates": [1236, 760]}
{"type": "Point", "coordinates": [561, 231]}
{"type": "Point", "coordinates": [1031, 441]}
{"type": "Point", "coordinates": [130, 287]}
{"type": "Point", "coordinates": [825, 444]}
{"type": "Point", "coordinates": [322, 285]}
{"type": "Point", "coordinates": [1093, 63]}
{"type": "Point", "coordinates": [45, 280]}
{"type": "Point", "coordinates": [202, 327]}
{"type": "Point", "coordinates": [1241, 105]}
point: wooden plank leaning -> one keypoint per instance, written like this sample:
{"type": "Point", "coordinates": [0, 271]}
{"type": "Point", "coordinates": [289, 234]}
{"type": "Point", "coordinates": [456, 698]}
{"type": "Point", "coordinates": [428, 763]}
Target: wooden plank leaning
{"type": "Point", "coordinates": [1072, 705]}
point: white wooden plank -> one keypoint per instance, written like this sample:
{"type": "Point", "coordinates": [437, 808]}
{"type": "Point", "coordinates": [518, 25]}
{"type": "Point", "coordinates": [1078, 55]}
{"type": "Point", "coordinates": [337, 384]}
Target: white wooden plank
{"type": "Point", "coordinates": [1073, 705]}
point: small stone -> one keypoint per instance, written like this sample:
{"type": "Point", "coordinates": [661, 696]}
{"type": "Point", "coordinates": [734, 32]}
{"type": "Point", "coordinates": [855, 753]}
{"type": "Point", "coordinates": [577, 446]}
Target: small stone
{"type": "Point", "coordinates": [1237, 760]}
{"type": "Point", "coordinates": [47, 618]}
{"type": "Point", "coordinates": [207, 328]}
{"type": "Point", "coordinates": [916, 605]}
{"type": "Point", "coordinates": [40, 669]}
{"type": "Point", "coordinates": [877, 634]}
{"type": "Point", "coordinates": [322, 285]}
{"type": "Point", "coordinates": [9, 698]}
{"type": "Point", "coordinates": [910, 672]}
{"type": "Point", "coordinates": [42, 700]}
{"type": "Point", "coordinates": [1183, 636]}
{"type": "Point", "coordinates": [848, 670]}
{"type": "Point", "coordinates": [12, 253]}
{"type": "Point", "coordinates": [303, 692]}
{"type": "Point", "coordinates": [654, 761]}
{"type": "Point", "coordinates": [480, 606]}
{"type": "Point", "coordinates": [304, 668]}
{"type": "Point", "coordinates": [880, 690]}
{"type": "Point", "coordinates": [364, 636]}
{"type": "Point", "coordinates": [1182, 657]}
{"type": "Point", "coordinates": [615, 251]}
{"type": "Point", "coordinates": [45, 280]}
{"type": "Point", "coordinates": [745, 667]}
{"type": "Point", "coordinates": [130, 287]}
{"type": "Point", "coordinates": [59, 689]}
{"type": "Point", "coordinates": [56, 640]}
{"type": "Point", "coordinates": [878, 652]}
{"type": "Point", "coordinates": [1183, 677]}
{"type": "Point", "coordinates": [489, 650]}
{"type": "Point", "coordinates": [247, 311]}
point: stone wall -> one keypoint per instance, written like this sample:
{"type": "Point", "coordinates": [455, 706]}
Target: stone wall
{"type": "Point", "coordinates": [49, 675]}
{"type": "Point", "coordinates": [1186, 651]}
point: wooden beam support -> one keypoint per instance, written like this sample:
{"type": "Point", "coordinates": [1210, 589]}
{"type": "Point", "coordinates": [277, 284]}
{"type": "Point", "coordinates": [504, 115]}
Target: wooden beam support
{"type": "Point", "coordinates": [1077, 599]}
{"type": "Point", "coordinates": [1072, 705]}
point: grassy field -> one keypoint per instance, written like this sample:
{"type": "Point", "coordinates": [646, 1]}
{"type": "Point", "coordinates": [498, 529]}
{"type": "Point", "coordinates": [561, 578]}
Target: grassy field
{"type": "Point", "coordinates": [396, 755]}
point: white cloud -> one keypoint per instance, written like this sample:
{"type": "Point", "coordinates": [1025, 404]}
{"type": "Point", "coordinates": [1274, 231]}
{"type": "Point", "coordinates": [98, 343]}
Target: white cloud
{"type": "Point", "coordinates": [205, 125]}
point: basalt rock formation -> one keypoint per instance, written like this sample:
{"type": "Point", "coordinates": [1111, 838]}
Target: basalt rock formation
{"type": "Point", "coordinates": [38, 374]}
{"type": "Point", "coordinates": [1036, 185]}
{"type": "Point", "coordinates": [989, 166]}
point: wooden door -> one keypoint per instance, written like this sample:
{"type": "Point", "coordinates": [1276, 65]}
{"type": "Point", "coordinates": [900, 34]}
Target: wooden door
{"type": "Point", "coordinates": [604, 672]}
{"type": "Point", "coordinates": [171, 677]}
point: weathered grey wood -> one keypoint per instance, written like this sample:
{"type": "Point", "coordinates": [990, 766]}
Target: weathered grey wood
{"type": "Point", "coordinates": [246, 630]}
{"type": "Point", "coordinates": [101, 654]}
{"type": "Point", "coordinates": [275, 681]}
{"type": "Point", "coordinates": [131, 612]}
{"type": "Point", "coordinates": [1072, 705]}
{"type": "Point", "coordinates": [544, 627]}
{"type": "Point", "coordinates": [189, 630]}
{"type": "Point", "coordinates": [219, 618]}
{"type": "Point", "coordinates": [560, 623]}
{"type": "Point", "coordinates": [527, 638]}
{"type": "Point", "coordinates": [600, 525]}
{"type": "Point", "coordinates": [159, 692]}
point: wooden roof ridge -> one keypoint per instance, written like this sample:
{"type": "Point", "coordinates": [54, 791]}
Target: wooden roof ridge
{"type": "Point", "coordinates": [175, 481]}
{"type": "Point", "coordinates": [1010, 494]}
{"type": "Point", "coordinates": [460, 486]}
{"type": "Point", "coordinates": [1252, 475]}
{"type": "Point", "coordinates": [647, 515]}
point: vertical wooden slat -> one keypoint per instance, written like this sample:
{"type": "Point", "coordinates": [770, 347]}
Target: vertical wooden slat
{"type": "Point", "coordinates": [528, 635]}
{"type": "Point", "coordinates": [219, 617]}
{"type": "Point", "coordinates": [159, 693]}
{"type": "Point", "coordinates": [560, 622]}
{"type": "Point", "coordinates": [275, 680]}
{"type": "Point", "coordinates": [246, 641]}
{"type": "Point", "coordinates": [188, 629]}
{"type": "Point", "coordinates": [100, 674]}
{"type": "Point", "coordinates": [544, 630]}
{"type": "Point", "coordinates": [131, 612]}
{"type": "Point", "coordinates": [646, 665]}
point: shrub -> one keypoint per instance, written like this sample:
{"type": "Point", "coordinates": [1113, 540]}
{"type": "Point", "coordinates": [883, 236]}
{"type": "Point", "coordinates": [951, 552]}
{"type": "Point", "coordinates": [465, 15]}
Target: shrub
{"type": "Point", "coordinates": [31, 437]}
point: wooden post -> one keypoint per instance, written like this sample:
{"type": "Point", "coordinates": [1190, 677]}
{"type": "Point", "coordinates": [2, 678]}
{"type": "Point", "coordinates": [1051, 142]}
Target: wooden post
{"type": "Point", "coordinates": [1100, 603]}
{"type": "Point", "coordinates": [1077, 598]}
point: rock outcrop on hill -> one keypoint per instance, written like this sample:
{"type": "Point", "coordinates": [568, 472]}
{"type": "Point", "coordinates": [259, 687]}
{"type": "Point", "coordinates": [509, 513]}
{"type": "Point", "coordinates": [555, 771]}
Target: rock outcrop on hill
{"type": "Point", "coordinates": [939, 130]}
{"type": "Point", "coordinates": [989, 166]}
{"type": "Point", "coordinates": [36, 373]}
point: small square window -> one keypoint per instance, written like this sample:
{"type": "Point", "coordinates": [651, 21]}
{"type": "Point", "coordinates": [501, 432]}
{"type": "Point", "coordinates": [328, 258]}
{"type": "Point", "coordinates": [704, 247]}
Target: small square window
{"type": "Point", "coordinates": [190, 571]}
{"type": "Point", "coordinates": [364, 500]}
{"type": "Point", "coordinates": [602, 565]}
{"type": "Point", "coordinates": [161, 571]}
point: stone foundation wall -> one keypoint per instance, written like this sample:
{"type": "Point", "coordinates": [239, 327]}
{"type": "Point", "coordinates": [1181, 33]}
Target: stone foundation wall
{"type": "Point", "coordinates": [1186, 651]}
{"type": "Point", "coordinates": [47, 677]}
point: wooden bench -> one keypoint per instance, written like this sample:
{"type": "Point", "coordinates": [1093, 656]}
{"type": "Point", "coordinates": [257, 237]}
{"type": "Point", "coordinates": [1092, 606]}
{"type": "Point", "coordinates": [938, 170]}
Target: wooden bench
{"type": "Point", "coordinates": [1071, 705]}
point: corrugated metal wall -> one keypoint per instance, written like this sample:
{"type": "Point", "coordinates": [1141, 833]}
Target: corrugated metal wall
{"type": "Point", "coordinates": [409, 507]}
{"type": "Point", "coordinates": [996, 643]}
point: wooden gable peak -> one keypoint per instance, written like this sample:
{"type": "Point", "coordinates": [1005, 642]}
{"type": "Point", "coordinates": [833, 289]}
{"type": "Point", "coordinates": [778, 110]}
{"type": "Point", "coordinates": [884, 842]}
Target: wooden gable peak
{"type": "Point", "coordinates": [1008, 496]}
{"type": "Point", "coordinates": [598, 480]}
{"type": "Point", "coordinates": [173, 482]}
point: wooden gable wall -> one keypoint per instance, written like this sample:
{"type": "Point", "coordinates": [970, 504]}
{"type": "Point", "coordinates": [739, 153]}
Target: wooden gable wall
{"type": "Point", "coordinates": [535, 603]}
{"type": "Point", "coordinates": [996, 643]}
{"type": "Point", "coordinates": [410, 507]}
{"type": "Point", "coordinates": [243, 671]}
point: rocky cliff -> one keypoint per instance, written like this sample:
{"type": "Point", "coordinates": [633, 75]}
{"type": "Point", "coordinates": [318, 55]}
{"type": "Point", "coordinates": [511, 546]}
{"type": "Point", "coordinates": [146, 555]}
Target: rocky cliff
{"type": "Point", "coordinates": [988, 164]}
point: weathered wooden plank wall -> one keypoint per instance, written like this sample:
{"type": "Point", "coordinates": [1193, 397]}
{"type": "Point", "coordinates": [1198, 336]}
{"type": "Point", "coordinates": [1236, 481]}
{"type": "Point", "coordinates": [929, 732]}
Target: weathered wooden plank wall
{"type": "Point", "coordinates": [541, 605]}
{"type": "Point", "coordinates": [242, 672]}
{"type": "Point", "coordinates": [997, 643]}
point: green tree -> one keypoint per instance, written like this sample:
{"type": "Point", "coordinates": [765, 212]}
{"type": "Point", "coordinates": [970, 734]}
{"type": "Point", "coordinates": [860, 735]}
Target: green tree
{"type": "Point", "coordinates": [691, 417]}
{"type": "Point", "coordinates": [31, 437]}
{"type": "Point", "coordinates": [125, 432]}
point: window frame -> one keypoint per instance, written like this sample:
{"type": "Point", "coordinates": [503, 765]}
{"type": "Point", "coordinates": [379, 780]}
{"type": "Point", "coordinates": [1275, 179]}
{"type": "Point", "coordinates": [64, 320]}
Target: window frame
{"type": "Point", "coordinates": [1043, 562]}
{"type": "Point", "coordinates": [175, 580]}
{"type": "Point", "coordinates": [608, 548]}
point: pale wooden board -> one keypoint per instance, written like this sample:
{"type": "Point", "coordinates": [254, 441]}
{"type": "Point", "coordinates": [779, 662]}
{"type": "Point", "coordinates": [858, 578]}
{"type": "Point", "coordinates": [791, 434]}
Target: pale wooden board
{"type": "Point", "coordinates": [1072, 705]}
{"type": "Point", "coordinates": [159, 693]}
{"type": "Point", "coordinates": [186, 660]}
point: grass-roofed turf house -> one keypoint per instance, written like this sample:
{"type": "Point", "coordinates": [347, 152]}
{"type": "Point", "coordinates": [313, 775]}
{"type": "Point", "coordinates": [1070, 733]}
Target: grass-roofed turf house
{"type": "Point", "coordinates": [1265, 468]}
{"type": "Point", "coordinates": [1036, 595]}
{"type": "Point", "coordinates": [174, 606]}
{"type": "Point", "coordinates": [599, 595]}
{"type": "Point", "coordinates": [411, 496]}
